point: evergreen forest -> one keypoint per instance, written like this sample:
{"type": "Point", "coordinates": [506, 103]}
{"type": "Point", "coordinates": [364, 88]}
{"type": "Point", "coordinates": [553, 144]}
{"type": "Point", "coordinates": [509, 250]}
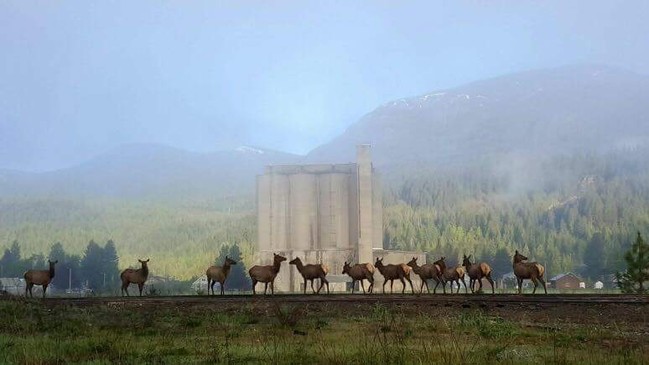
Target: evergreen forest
{"type": "Point", "coordinates": [577, 213]}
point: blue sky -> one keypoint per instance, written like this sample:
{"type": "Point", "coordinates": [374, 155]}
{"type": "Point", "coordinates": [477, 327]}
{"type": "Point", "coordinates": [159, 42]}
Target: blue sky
{"type": "Point", "coordinates": [78, 78]}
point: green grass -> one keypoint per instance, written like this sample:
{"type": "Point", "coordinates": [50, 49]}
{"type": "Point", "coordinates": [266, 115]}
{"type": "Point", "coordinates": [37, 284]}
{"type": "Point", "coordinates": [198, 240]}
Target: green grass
{"type": "Point", "coordinates": [264, 332]}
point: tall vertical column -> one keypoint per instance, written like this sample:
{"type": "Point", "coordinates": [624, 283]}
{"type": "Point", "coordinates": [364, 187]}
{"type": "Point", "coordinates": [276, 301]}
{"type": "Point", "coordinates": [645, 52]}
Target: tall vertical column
{"type": "Point", "coordinates": [365, 198]}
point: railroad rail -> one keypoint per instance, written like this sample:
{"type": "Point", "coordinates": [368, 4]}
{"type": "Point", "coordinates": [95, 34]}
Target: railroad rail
{"type": "Point", "coordinates": [465, 300]}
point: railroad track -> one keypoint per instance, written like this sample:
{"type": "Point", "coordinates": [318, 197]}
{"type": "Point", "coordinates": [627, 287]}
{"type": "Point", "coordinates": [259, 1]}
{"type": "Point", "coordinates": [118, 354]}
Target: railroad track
{"type": "Point", "coordinates": [466, 300]}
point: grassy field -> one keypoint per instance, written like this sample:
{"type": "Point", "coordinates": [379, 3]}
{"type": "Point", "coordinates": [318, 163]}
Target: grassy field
{"type": "Point", "coordinates": [267, 332]}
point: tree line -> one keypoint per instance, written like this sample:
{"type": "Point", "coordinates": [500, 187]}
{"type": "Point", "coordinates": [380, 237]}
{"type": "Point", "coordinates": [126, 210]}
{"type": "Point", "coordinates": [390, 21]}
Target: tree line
{"type": "Point", "coordinates": [97, 269]}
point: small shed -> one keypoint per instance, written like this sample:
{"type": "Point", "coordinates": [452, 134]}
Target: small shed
{"type": "Point", "coordinates": [201, 284]}
{"type": "Point", "coordinates": [567, 281]}
{"type": "Point", "coordinates": [15, 286]}
{"type": "Point", "coordinates": [599, 285]}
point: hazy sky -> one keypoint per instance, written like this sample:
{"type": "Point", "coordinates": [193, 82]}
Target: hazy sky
{"type": "Point", "coordinates": [78, 78]}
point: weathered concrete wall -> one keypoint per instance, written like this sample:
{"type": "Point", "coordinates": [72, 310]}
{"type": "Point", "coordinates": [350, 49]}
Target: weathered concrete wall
{"type": "Point", "coordinates": [323, 213]}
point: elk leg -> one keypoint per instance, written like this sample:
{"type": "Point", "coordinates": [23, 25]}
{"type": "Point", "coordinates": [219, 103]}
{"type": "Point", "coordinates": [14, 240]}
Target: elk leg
{"type": "Point", "coordinates": [44, 290]}
{"type": "Point", "coordinates": [480, 282]}
{"type": "Point", "coordinates": [543, 282]}
{"type": "Point", "coordinates": [384, 282]}
{"type": "Point", "coordinates": [222, 288]}
{"type": "Point", "coordinates": [411, 287]}
{"type": "Point", "coordinates": [254, 282]}
{"type": "Point", "coordinates": [326, 282]}
{"type": "Point", "coordinates": [391, 285]}
{"type": "Point", "coordinates": [272, 287]}
{"type": "Point", "coordinates": [493, 287]}
{"type": "Point", "coordinates": [265, 288]}
{"type": "Point", "coordinates": [311, 286]}
{"type": "Point", "coordinates": [140, 286]}
{"type": "Point", "coordinates": [536, 283]}
{"type": "Point", "coordinates": [519, 281]}
{"type": "Point", "coordinates": [403, 285]}
{"type": "Point", "coordinates": [304, 291]}
{"type": "Point", "coordinates": [466, 291]}
{"type": "Point", "coordinates": [362, 286]}
{"type": "Point", "coordinates": [371, 288]}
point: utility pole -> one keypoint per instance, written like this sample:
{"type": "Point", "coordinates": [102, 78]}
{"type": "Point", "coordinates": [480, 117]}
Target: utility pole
{"type": "Point", "coordinates": [70, 280]}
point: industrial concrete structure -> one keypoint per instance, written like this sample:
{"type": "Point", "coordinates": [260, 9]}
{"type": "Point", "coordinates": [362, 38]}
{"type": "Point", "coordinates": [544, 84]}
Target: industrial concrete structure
{"type": "Point", "coordinates": [325, 213]}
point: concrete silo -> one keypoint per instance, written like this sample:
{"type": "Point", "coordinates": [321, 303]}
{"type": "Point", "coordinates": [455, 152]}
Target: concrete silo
{"type": "Point", "coordinates": [327, 213]}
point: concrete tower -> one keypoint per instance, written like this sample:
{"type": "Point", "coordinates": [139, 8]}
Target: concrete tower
{"type": "Point", "coordinates": [326, 213]}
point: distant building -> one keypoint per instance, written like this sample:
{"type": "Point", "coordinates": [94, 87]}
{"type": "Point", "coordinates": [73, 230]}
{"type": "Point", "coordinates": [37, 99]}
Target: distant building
{"type": "Point", "coordinates": [13, 286]}
{"type": "Point", "coordinates": [323, 213]}
{"type": "Point", "coordinates": [567, 281]}
{"type": "Point", "coordinates": [599, 285]}
{"type": "Point", "coordinates": [201, 284]}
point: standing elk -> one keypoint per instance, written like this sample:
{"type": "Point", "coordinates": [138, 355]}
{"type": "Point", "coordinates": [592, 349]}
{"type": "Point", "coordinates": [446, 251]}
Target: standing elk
{"type": "Point", "coordinates": [39, 277]}
{"type": "Point", "coordinates": [392, 272]}
{"type": "Point", "coordinates": [426, 272]}
{"type": "Point", "coordinates": [266, 274]}
{"type": "Point", "coordinates": [311, 272]}
{"type": "Point", "coordinates": [528, 270]}
{"type": "Point", "coordinates": [360, 272]}
{"type": "Point", "coordinates": [477, 272]}
{"type": "Point", "coordinates": [132, 276]}
{"type": "Point", "coordinates": [218, 274]}
{"type": "Point", "coordinates": [454, 275]}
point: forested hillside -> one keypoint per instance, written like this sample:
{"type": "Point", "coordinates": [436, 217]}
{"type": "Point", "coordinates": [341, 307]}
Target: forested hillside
{"type": "Point", "coordinates": [550, 162]}
{"type": "Point", "coordinates": [580, 214]}
{"type": "Point", "coordinates": [181, 239]}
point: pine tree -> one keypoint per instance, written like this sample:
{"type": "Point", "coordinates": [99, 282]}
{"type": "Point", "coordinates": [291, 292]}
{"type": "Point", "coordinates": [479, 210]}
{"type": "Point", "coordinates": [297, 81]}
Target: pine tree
{"type": "Point", "coordinates": [637, 272]}
{"type": "Point", "coordinates": [66, 269]}
{"type": "Point", "coordinates": [238, 277]}
{"type": "Point", "coordinates": [594, 257]}
{"type": "Point", "coordinates": [10, 263]}
{"type": "Point", "coordinates": [110, 264]}
{"type": "Point", "coordinates": [91, 266]}
{"type": "Point", "coordinates": [502, 263]}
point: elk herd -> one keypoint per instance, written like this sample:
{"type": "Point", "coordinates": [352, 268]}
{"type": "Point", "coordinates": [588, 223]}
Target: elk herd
{"type": "Point", "coordinates": [437, 272]}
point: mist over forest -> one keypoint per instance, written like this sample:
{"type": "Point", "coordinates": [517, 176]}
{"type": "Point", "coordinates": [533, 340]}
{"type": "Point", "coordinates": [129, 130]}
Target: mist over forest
{"type": "Point", "coordinates": [550, 162]}
{"type": "Point", "coordinates": [495, 127]}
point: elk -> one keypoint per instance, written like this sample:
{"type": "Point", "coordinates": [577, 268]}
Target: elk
{"type": "Point", "coordinates": [266, 274]}
{"type": "Point", "coordinates": [39, 277]}
{"type": "Point", "coordinates": [477, 272]}
{"type": "Point", "coordinates": [426, 272]}
{"type": "Point", "coordinates": [132, 276]}
{"type": "Point", "coordinates": [312, 272]}
{"type": "Point", "coordinates": [528, 270]}
{"type": "Point", "coordinates": [454, 275]}
{"type": "Point", "coordinates": [392, 272]}
{"type": "Point", "coordinates": [218, 274]}
{"type": "Point", "coordinates": [360, 272]}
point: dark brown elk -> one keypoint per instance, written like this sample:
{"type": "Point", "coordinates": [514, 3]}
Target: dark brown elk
{"type": "Point", "coordinates": [132, 276]}
{"type": "Point", "coordinates": [39, 277]}
{"type": "Point", "coordinates": [360, 272]}
{"type": "Point", "coordinates": [218, 274]}
{"type": "Point", "coordinates": [476, 272]}
{"type": "Point", "coordinates": [266, 274]}
{"type": "Point", "coordinates": [453, 275]}
{"type": "Point", "coordinates": [311, 272]}
{"type": "Point", "coordinates": [392, 272]}
{"type": "Point", "coordinates": [426, 272]}
{"type": "Point", "coordinates": [528, 270]}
